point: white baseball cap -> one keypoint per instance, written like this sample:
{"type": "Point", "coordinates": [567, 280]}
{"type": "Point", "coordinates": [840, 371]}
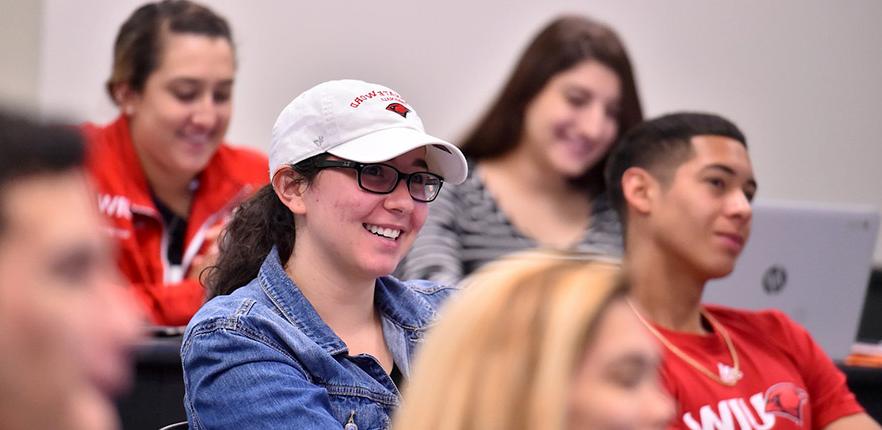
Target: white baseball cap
{"type": "Point", "coordinates": [357, 121]}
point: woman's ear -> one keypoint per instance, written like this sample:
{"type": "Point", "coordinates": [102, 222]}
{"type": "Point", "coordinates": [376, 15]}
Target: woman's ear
{"type": "Point", "coordinates": [638, 189]}
{"type": "Point", "coordinates": [289, 187]}
{"type": "Point", "coordinates": [126, 98]}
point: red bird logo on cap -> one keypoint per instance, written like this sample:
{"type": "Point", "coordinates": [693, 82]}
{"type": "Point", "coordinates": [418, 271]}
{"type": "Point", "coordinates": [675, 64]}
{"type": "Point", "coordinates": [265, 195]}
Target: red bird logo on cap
{"type": "Point", "coordinates": [398, 108]}
{"type": "Point", "coordinates": [786, 400]}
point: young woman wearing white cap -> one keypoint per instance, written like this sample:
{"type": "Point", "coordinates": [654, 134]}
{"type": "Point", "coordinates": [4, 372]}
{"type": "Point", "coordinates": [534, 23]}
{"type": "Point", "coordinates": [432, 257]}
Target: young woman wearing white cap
{"type": "Point", "coordinates": [312, 333]}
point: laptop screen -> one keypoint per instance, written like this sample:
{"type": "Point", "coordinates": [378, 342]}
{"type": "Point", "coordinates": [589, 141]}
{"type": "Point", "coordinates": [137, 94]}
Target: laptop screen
{"type": "Point", "coordinates": [810, 261]}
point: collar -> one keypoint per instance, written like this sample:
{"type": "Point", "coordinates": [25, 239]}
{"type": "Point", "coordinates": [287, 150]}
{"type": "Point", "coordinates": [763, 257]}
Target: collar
{"type": "Point", "coordinates": [396, 302]}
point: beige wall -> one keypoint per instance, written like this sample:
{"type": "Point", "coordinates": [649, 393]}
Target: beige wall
{"type": "Point", "coordinates": [20, 50]}
{"type": "Point", "coordinates": [801, 77]}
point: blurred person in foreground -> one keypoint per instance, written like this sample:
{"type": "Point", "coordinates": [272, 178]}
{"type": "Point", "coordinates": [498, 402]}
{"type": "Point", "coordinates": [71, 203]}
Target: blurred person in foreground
{"type": "Point", "coordinates": [544, 341]}
{"type": "Point", "coordinates": [66, 324]}
{"type": "Point", "coordinates": [166, 180]}
{"type": "Point", "coordinates": [683, 184]}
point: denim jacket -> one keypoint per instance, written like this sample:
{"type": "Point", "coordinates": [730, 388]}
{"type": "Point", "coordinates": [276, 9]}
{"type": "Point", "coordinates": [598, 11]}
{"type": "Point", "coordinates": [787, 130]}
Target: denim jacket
{"type": "Point", "coordinates": [262, 358]}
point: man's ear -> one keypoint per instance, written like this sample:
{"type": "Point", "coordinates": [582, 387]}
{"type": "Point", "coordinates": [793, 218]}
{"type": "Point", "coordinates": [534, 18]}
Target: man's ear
{"type": "Point", "coordinates": [289, 187]}
{"type": "Point", "coordinates": [639, 188]}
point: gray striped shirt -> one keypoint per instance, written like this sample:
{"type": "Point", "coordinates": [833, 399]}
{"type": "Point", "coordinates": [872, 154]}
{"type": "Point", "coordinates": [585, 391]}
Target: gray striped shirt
{"type": "Point", "coordinates": [465, 229]}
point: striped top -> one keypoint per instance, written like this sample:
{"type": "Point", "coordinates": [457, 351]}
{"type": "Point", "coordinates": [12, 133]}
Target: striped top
{"type": "Point", "coordinates": [466, 229]}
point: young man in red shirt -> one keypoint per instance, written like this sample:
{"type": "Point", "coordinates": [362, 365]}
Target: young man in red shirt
{"type": "Point", "coordinates": [683, 185]}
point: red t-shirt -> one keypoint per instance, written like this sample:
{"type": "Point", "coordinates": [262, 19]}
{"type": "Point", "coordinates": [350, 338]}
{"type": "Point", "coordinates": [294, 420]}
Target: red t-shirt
{"type": "Point", "coordinates": [787, 382]}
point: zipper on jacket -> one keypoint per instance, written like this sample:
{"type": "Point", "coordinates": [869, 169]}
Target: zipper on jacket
{"type": "Point", "coordinates": [350, 425]}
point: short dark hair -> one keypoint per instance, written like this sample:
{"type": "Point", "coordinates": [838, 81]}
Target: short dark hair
{"type": "Point", "coordinates": [660, 145]}
{"type": "Point", "coordinates": [559, 46]}
{"type": "Point", "coordinates": [139, 41]}
{"type": "Point", "coordinates": [30, 149]}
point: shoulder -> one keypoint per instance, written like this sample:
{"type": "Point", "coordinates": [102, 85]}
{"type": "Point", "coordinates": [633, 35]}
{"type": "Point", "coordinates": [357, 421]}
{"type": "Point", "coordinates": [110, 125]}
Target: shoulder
{"type": "Point", "coordinates": [241, 317]}
{"type": "Point", "coordinates": [113, 164]}
{"type": "Point", "coordinates": [114, 132]}
{"type": "Point", "coordinates": [92, 131]}
{"type": "Point", "coordinates": [427, 290]}
{"type": "Point", "coordinates": [412, 303]}
{"type": "Point", "coordinates": [766, 322]}
{"type": "Point", "coordinates": [247, 164]}
{"type": "Point", "coordinates": [103, 141]}
{"type": "Point", "coordinates": [762, 318]}
{"type": "Point", "coordinates": [418, 289]}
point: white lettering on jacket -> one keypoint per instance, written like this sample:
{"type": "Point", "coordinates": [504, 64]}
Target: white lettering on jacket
{"type": "Point", "coordinates": [115, 206]}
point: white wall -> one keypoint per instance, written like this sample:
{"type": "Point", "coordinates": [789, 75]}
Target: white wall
{"type": "Point", "coordinates": [19, 54]}
{"type": "Point", "coordinates": [803, 78]}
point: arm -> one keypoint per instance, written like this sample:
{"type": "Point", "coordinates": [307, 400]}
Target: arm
{"type": "Point", "coordinates": [236, 379]}
{"type": "Point", "coordinates": [860, 421]}
{"type": "Point", "coordinates": [435, 254]}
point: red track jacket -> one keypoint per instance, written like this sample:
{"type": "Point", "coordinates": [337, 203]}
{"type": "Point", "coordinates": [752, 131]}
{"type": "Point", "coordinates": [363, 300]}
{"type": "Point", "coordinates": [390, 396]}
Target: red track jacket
{"type": "Point", "coordinates": [231, 176]}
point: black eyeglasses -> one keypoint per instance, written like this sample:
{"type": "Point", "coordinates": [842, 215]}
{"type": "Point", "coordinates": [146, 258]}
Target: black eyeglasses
{"type": "Point", "coordinates": [379, 178]}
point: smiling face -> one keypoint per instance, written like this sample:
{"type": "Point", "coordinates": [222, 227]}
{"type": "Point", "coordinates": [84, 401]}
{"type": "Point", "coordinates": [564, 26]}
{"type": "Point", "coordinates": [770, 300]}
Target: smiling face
{"type": "Point", "coordinates": [181, 116]}
{"type": "Point", "coordinates": [571, 124]}
{"type": "Point", "coordinates": [617, 385]}
{"type": "Point", "coordinates": [702, 217]}
{"type": "Point", "coordinates": [66, 327]}
{"type": "Point", "coordinates": [365, 234]}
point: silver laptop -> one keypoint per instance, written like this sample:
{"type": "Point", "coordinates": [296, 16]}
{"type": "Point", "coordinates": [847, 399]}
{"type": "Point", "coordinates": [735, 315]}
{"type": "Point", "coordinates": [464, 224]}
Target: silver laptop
{"type": "Point", "coordinates": [811, 261]}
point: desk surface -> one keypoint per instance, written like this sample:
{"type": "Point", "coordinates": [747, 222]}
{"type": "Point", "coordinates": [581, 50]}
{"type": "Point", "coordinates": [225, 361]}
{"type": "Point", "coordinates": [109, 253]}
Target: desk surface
{"type": "Point", "coordinates": [159, 351]}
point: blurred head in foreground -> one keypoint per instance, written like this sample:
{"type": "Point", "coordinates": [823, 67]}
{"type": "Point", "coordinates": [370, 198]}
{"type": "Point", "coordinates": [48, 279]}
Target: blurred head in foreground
{"type": "Point", "coordinates": [538, 340]}
{"type": "Point", "coordinates": [65, 326]}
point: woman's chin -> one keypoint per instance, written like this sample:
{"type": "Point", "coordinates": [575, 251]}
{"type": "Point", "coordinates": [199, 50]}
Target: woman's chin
{"type": "Point", "coordinates": [572, 167]}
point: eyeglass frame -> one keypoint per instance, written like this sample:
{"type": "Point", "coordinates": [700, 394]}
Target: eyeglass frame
{"type": "Point", "coordinates": [406, 177]}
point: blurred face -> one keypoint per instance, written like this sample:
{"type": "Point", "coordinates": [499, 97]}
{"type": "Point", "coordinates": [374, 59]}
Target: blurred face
{"type": "Point", "coordinates": [702, 218]}
{"type": "Point", "coordinates": [572, 123]}
{"type": "Point", "coordinates": [180, 117]}
{"type": "Point", "coordinates": [65, 327]}
{"type": "Point", "coordinates": [616, 385]}
{"type": "Point", "coordinates": [365, 234]}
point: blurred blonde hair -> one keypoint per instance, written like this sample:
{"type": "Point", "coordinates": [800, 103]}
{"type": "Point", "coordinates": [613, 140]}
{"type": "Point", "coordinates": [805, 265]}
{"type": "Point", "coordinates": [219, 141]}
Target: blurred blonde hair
{"type": "Point", "coordinates": [504, 351]}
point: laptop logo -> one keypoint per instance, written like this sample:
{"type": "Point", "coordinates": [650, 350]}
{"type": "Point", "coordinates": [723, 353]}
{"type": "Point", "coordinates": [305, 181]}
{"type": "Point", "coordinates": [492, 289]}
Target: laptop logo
{"type": "Point", "coordinates": [775, 279]}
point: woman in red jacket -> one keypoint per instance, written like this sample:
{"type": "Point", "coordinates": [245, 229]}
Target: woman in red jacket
{"type": "Point", "coordinates": [165, 178]}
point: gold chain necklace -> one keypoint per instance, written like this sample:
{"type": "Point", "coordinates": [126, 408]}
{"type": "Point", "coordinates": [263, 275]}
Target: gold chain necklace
{"type": "Point", "coordinates": [728, 376]}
